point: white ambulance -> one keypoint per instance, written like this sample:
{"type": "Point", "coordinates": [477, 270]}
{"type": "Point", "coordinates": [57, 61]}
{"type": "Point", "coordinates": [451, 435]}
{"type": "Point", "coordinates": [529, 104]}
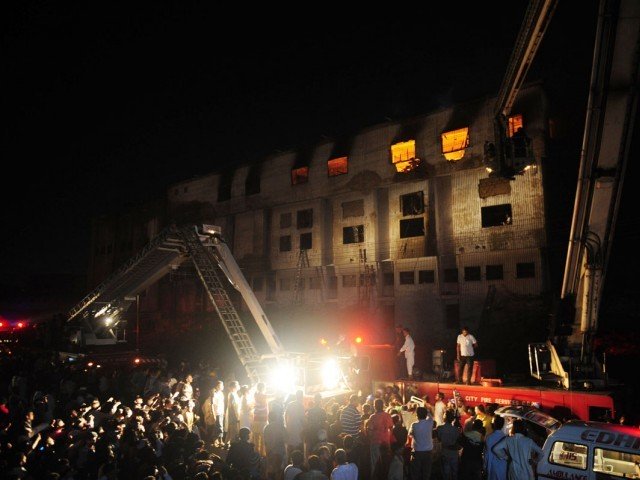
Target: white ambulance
{"type": "Point", "coordinates": [591, 451]}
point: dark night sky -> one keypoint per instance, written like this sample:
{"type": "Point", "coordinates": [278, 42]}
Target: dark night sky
{"type": "Point", "coordinates": [106, 105]}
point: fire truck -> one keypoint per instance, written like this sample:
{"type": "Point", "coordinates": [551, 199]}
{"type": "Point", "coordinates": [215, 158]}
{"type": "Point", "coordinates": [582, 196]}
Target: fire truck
{"type": "Point", "coordinates": [99, 318]}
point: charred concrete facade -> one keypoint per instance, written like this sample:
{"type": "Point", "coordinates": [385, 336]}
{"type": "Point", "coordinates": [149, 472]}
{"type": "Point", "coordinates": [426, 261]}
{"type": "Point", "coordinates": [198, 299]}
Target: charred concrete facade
{"type": "Point", "coordinates": [429, 247]}
{"type": "Point", "coordinates": [419, 248]}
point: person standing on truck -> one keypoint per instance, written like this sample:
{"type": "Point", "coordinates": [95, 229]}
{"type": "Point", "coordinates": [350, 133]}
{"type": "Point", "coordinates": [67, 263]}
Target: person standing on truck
{"type": "Point", "coordinates": [518, 450]}
{"type": "Point", "coordinates": [466, 347]}
{"type": "Point", "coordinates": [408, 348]}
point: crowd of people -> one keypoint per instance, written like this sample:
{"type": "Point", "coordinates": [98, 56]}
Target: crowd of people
{"type": "Point", "coordinates": [61, 421]}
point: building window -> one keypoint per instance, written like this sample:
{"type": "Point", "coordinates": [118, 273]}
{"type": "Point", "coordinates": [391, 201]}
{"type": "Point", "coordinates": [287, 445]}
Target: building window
{"type": "Point", "coordinates": [285, 243]}
{"type": "Point", "coordinates": [451, 275]}
{"type": "Point", "coordinates": [285, 220]}
{"type": "Point", "coordinates": [515, 123]}
{"type": "Point", "coordinates": [304, 218]}
{"type": "Point", "coordinates": [332, 287]}
{"type": "Point", "coordinates": [299, 175]}
{"type": "Point", "coordinates": [525, 270]}
{"type": "Point", "coordinates": [258, 284]}
{"type": "Point", "coordinates": [402, 154]}
{"type": "Point", "coordinates": [224, 186]}
{"type": "Point", "coordinates": [472, 274]}
{"type": "Point", "coordinates": [454, 143]}
{"type": "Point", "coordinates": [495, 272]}
{"type": "Point", "coordinates": [354, 208]}
{"type": "Point", "coordinates": [348, 280]}
{"type": "Point", "coordinates": [338, 166]}
{"type": "Point", "coordinates": [252, 182]}
{"type": "Point", "coordinates": [426, 276]}
{"type": "Point", "coordinates": [407, 278]}
{"type": "Point", "coordinates": [496, 215]}
{"type": "Point", "coordinates": [306, 241]}
{"type": "Point", "coordinates": [452, 315]}
{"type": "Point", "coordinates": [413, 227]}
{"type": "Point", "coordinates": [301, 283]}
{"type": "Point", "coordinates": [353, 234]}
{"type": "Point", "coordinates": [387, 279]}
{"type": "Point", "coordinates": [314, 283]}
{"type": "Point", "coordinates": [285, 284]}
{"type": "Point", "coordinates": [412, 204]}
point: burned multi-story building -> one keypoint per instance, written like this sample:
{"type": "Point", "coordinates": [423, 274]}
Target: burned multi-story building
{"type": "Point", "coordinates": [398, 224]}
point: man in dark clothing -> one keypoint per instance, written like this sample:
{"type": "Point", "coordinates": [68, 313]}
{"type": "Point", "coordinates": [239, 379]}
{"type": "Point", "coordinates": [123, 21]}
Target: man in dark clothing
{"type": "Point", "coordinates": [448, 436]}
{"type": "Point", "coordinates": [242, 455]}
{"type": "Point", "coordinates": [315, 470]}
{"type": "Point", "coordinates": [472, 449]}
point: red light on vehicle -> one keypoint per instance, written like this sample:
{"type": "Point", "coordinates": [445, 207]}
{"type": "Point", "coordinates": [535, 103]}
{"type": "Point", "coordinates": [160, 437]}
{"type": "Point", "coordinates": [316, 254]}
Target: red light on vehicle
{"type": "Point", "coordinates": [90, 364]}
{"type": "Point", "coordinates": [1, 324]}
{"type": "Point", "coordinates": [20, 324]}
{"type": "Point", "coordinates": [136, 361]}
{"type": "Point", "coordinates": [358, 339]}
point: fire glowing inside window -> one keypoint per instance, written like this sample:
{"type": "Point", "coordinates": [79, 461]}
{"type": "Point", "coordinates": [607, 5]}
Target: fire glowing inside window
{"type": "Point", "coordinates": [299, 175]}
{"type": "Point", "coordinates": [515, 122]}
{"type": "Point", "coordinates": [338, 166]}
{"type": "Point", "coordinates": [403, 155]}
{"type": "Point", "coordinates": [454, 143]}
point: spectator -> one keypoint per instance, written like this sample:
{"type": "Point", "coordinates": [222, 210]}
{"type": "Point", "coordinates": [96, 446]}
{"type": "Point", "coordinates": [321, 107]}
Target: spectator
{"type": "Point", "coordinates": [350, 418]}
{"type": "Point", "coordinates": [421, 433]}
{"type": "Point", "coordinates": [294, 423]}
{"type": "Point", "coordinates": [494, 466]}
{"type": "Point", "coordinates": [472, 447]}
{"type": "Point", "coordinates": [448, 436]}
{"type": "Point", "coordinates": [520, 451]}
{"type": "Point", "coordinates": [343, 470]}
{"type": "Point", "coordinates": [315, 470]}
{"type": "Point", "coordinates": [295, 467]}
{"type": "Point", "coordinates": [242, 455]}
{"type": "Point", "coordinates": [232, 413]}
{"type": "Point", "coordinates": [274, 442]}
{"type": "Point", "coordinates": [260, 417]}
{"type": "Point", "coordinates": [378, 429]}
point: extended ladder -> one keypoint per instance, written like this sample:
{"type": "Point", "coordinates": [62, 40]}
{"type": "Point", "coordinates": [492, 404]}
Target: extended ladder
{"type": "Point", "coordinates": [210, 274]}
{"type": "Point", "coordinates": [298, 288]}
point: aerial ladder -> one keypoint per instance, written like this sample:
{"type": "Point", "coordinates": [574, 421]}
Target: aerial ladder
{"type": "Point", "coordinates": [608, 133]}
{"type": "Point", "coordinates": [99, 316]}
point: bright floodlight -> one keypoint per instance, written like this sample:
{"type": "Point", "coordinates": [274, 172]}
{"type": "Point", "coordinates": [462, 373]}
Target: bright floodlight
{"type": "Point", "coordinates": [282, 378]}
{"type": "Point", "coordinates": [108, 321]}
{"type": "Point", "coordinates": [330, 374]}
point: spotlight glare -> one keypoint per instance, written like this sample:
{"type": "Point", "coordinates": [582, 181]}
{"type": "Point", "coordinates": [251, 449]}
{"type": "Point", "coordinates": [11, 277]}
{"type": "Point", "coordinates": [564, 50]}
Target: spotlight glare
{"type": "Point", "coordinates": [489, 169]}
{"type": "Point", "coordinates": [330, 374]}
{"type": "Point", "coordinates": [108, 321]}
{"type": "Point", "coordinates": [282, 379]}
{"type": "Point", "coordinates": [358, 339]}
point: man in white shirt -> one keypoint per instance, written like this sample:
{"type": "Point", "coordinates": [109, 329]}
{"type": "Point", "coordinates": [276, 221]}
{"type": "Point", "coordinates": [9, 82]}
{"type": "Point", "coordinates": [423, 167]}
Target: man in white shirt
{"type": "Point", "coordinates": [465, 347]}
{"type": "Point", "coordinates": [409, 351]}
{"type": "Point", "coordinates": [344, 470]}
{"type": "Point", "coordinates": [439, 409]}
{"type": "Point", "coordinates": [217, 408]}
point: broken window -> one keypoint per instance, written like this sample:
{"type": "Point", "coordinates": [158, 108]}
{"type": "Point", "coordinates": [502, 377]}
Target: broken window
{"type": "Point", "coordinates": [403, 155]}
{"type": "Point", "coordinates": [525, 270]}
{"type": "Point", "coordinates": [285, 220]}
{"type": "Point", "coordinates": [496, 215]}
{"type": "Point", "coordinates": [407, 278]}
{"type": "Point", "coordinates": [305, 241]}
{"type": "Point", "coordinates": [514, 123]}
{"type": "Point", "coordinates": [285, 284]}
{"type": "Point", "coordinates": [299, 175]}
{"type": "Point", "coordinates": [252, 182]}
{"type": "Point", "coordinates": [454, 143]}
{"type": "Point", "coordinates": [412, 204]}
{"type": "Point", "coordinates": [337, 166]}
{"type": "Point", "coordinates": [348, 280]}
{"type": "Point", "coordinates": [354, 208]}
{"type": "Point", "coordinates": [413, 227]}
{"type": "Point", "coordinates": [426, 276]}
{"type": "Point", "coordinates": [353, 234]}
{"type": "Point", "coordinates": [285, 243]}
{"type": "Point", "coordinates": [332, 286]}
{"type": "Point", "coordinates": [258, 284]}
{"type": "Point", "coordinates": [452, 314]}
{"type": "Point", "coordinates": [495, 272]}
{"type": "Point", "coordinates": [304, 218]}
{"type": "Point", "coordinates": [388, 279]}
{"type": "Point", "coordinates": [451, 275]}
{"type": "Point", "coordinates": [472, 274]}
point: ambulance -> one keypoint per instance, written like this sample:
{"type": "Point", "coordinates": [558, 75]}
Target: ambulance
{"type": "Point", "coordinates": [591, 451]}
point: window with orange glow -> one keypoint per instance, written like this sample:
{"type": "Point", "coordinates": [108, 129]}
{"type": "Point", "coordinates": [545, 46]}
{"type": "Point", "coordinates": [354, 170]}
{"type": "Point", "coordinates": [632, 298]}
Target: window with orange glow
{"type": "Point", "coordinates": [338, 166]}
{"type": "Point", "coordinates": [515, 122]}
{"type": "Point", "coordinates": [299, 175]}
{"type": "Point", "coordinates": [454, 143]}
{"type": "Point", "coordinates": [401, 155]}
